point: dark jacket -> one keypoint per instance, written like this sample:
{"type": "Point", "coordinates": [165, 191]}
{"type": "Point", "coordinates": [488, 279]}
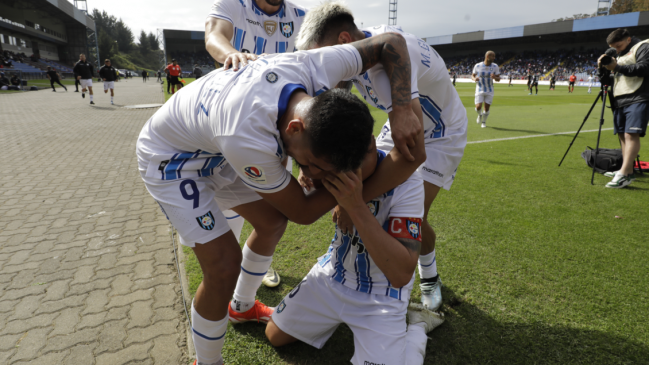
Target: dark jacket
{"type": "Point", "coordinates": [84, 69]}
{"type": "Point", "coordinates": [641, 68]}
{"type": "Point", "coordinates": [108, 72]}
{"type": "Point", "coordinates": [4, 81]}
{"type": "Point", "coordinates": [198, 72]}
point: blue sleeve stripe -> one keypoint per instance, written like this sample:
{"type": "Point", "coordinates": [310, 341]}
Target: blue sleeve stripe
{"type": "Point", "coordinates": [208, 338]}
{"type": "Point", "coordinates": [237, 216]}
{"type": "Point", "coordinates": [222, 17]}
{"type": "Point", "coordinates": [253, 273]}
{"type": "Point", "coordinates": [284, 97]}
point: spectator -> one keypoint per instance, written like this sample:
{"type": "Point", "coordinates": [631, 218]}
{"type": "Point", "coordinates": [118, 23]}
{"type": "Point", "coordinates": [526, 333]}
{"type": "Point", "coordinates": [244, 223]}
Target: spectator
{"type": "Point", "coordinates": [15, 83]}
{"type": "Point", "coordinates": [4, 82]}
{"type": "Point", "coordinates": [197, 72]}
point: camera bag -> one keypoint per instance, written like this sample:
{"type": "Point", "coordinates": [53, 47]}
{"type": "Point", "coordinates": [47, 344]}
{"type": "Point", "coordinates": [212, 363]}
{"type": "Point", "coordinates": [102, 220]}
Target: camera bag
{"type": "Point", "coordinates": [607, 159]}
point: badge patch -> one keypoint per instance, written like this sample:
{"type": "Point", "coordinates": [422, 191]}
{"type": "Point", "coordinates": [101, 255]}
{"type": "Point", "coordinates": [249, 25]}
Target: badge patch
{"type": "Point", "coordinates": [287, 29]}
{"type": "Point", "coordinates": [272, 77]}
{"type": "Point", "coordinates": [405, 228]}
{"type": "Point", "coordinates": [206, 221]}
{"type": "Point", "coordinates": [413, 228]}
{"type": "Point", "coordinates": [280, 307]}
{"type": "Point", "coordinates": [374, 207]}
{"type": "Point", "coordinates": [255, 174]}
{"type": "Point", "coordinates": [372, 95]}
{"type": "Point", "coordinates": [270, 27]}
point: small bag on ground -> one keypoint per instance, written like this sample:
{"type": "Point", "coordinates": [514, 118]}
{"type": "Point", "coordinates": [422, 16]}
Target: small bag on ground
{"type": "Point", "coordinates": [607, 159]}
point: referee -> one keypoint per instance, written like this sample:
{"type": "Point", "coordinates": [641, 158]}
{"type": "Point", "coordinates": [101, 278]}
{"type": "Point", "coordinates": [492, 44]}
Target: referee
{"type": "Point", "coordinates": [174, 73]}
{"type": "Point", "coordinates": [630, 80]}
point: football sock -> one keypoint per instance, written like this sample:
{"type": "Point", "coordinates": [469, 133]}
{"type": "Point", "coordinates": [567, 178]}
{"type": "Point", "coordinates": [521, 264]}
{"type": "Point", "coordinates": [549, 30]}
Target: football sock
{"type": "Point", "coordinates": [428, 266]}
{"type": "Point", "coordinates": [111, 99]}
{"type": "Point", "coordinates": [253, 269]}
{"type": "Point", "coordinates": [208, 337]}
{"type": "Point", "coordinates": [416, 344]}
{"type": "Point", "coordinates": [91, 97]}
{"type": "Point", "coordinates": [235, 221]}
{"type": "Point", "coordinates": [484, 117]}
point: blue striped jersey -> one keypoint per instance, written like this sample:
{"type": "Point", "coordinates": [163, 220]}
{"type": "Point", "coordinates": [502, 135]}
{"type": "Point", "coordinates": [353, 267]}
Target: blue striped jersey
{"type": "Point", "coordinates": [349, 263]}
{"type": "Point", "coordinates": [225, 123]}
{"type": "Point", "coordinates": [430, 82]}
{"type": "Point", "coordinates": [258, 32]}
{"type": "Point", "coordinates": [483, 72]}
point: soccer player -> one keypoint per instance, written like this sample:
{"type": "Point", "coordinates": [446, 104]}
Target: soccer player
{"type": "Point", "coordinates": [591, 81]}
{"type": "Point", "coordinates": [159, 77]}
{"type": "Point", "coordinates": [484, 74]}
{"type": "Point", "coordinates": [454, 78]}
{"type": "Point", "coordinates": [443, 116]}
{"type": "Point", "coordinates": [109, 74]}
{"type": "Point", "coordinates": [529, 81]}
{"type": "Point", "coordinates": [207, 150]}
{"type": "Point", "coordinates": [238, 31]}
{"type": "Point", "coordinates": [571, 84]}
{"type": "Point", "coordinates": [168, 77]}
{"type": "Point", "coordinates": [54, 76]}
{"type": "Point", "coordinates": [365, 278]}
{"type": "Point", "coordinates": [535, 83]}
{"type": "Point", "coordinates": [174, 73]}
{"type": "Point", "coordinates": [553, 80]}
{"type": "Point", "coordinates": [510, 79]}
{"type": "Point", "coordinates": [84, 71]}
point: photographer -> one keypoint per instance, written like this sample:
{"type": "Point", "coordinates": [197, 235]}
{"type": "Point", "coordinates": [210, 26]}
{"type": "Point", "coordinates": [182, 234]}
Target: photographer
{"type": "Point", "coordinates": [631, 97]}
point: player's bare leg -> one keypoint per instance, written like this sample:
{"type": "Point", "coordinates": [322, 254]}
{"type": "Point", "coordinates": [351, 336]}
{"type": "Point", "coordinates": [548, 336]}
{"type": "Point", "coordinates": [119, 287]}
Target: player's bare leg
{"type": "Point", "coordinates": [220, 261]}
{"type": "Point", "coordinates": [269, 226]}
{"type": "Point", "coordinates": [485, 114]}
{"type": "Point", "coordinates": [478, 109]}
{"type": "Point", "coordinates": [92, 95]}
{"type": "Point", "coordinates": [276, 336]}
{"type": "Point", "coordinates": [431, 294]}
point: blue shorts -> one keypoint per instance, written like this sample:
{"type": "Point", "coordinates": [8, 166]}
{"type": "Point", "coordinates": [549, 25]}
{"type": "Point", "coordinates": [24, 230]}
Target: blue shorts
{"type": "Point", "coordinates": [631, 119]}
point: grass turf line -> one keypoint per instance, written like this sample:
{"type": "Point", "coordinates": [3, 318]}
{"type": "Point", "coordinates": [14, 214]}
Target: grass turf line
{"type": "Point", "coordinates": [536, 268]}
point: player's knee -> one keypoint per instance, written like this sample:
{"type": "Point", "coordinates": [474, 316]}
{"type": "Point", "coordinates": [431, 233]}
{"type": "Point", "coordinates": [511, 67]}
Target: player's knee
{"type": "Point", "coordinates": [273, 226]}
{"type": "Point", "coordinates": [275, 335]}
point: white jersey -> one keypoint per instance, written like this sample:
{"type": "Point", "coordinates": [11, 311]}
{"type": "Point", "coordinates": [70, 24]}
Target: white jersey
{"type": "Point", "coordinates": [591, 79]}
{"type": "Point", "coordinates": [229, 117]}
{"type": "Point", "coordinates": [430, 82]}
{"type": "Point", "coordinates": [484, 72]}
{"type": "Point", "coordinates": [347, 261]}
{"type": "Point", "coordinates": [258, 32]}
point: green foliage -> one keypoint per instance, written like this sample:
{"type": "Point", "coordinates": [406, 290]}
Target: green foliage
{"type": "Point", "coordinates": [153, 41]}
{"type": "Point", "coordinates": [115, 30]}
{"type": "Point", "coordinates": [536, 267]}
{"type": "Point", "coordinates": [144, 46]}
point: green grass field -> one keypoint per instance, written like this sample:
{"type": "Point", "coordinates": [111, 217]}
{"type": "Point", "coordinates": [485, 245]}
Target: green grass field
{"type": "Point", "coordinates": [536, 267]}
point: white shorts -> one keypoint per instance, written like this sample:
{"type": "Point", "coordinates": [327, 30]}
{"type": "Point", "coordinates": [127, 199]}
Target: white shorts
{"type": "Point", "coordinates": [85, 83]}
{"type": "Point", "coordinates": [443, 154]}
{"type": "Point", "coordinates": [108, 85]}
{"type": "Point", "coordinates": [488, 98]}
{"type": "Point", "coordinates": [312, 311]}
{"type": "Point", "coordinates": [194, 206]}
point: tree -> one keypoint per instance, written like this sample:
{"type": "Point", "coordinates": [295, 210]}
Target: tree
{"type": "Point", "coordinates": [123, 36]}
{"type": "Point", "coordinates": [104, 22]}
{"type": "Point", "coordinates": [107, 46]}
{"type": "Point", "coordinates": [145, 46]}
{"type": "Point", "coordinates": [622, 6]}
{"type": "Point", "coordinates": [153, 41]}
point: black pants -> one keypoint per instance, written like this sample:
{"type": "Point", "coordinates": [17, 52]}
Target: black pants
{"type": "Point", "coordinates": [159, 79]}
{"type": "Point", "coordinates": [143, 78]}
{"type": "Point", "coordinates": [76, 83]}
{"type": "Point", "coordinates": [58, 82]}
{"type": "Point", "coordinates": [168, 84]}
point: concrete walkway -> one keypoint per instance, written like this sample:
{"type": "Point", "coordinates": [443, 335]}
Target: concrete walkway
{"type": "Point", "coordinates": [87, 271]}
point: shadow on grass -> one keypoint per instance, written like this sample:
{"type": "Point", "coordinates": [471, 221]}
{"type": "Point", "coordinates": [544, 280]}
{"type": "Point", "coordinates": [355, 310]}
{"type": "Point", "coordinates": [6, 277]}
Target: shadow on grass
{"type": "Point", "coordinates": [471, 336]}
{"type": "Point", "coordinates": [517, 130]}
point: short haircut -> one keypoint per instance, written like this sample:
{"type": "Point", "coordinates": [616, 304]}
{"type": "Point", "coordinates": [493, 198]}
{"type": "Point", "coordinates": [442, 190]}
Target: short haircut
{"type": "Point", "coordinates": [617, 35]}
{"type": "Point", "coordinates": [323, 22]}
{"type": "Point", "coordinates": [48, 67]}
{"type": "Point", "coordinates": [106, 60]}
{"type": "Point", "coordinates": [339, 128]}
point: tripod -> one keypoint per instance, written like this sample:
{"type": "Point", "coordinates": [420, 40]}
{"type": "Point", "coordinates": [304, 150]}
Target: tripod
{"type": "Point", "coordinates": [603, 93]}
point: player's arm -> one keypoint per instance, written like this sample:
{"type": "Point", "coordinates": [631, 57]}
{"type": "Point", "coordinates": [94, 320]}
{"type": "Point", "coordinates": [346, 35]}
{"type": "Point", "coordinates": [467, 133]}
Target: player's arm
{"type": "Point", "coordinates": [496, 75]}
{"type": "Point", "coordinates": [297, 207]}
{"type": "Point", "coordinates": [218, 33]}
{"type": "Point", "coordinates": [391, 51]}
{"type": "Point", "coordinates": [395, 256]}
{"type": "Point", "coordinates": [474, 77]}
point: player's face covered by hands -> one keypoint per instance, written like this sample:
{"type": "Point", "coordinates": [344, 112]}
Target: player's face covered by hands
{"type": "Point", "coordinates": [347, 188]}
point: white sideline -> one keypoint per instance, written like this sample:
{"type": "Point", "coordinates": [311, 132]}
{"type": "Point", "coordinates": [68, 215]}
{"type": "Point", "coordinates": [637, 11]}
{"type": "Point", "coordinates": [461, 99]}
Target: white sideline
{"type": "Point", "coordinates": [536, 135]}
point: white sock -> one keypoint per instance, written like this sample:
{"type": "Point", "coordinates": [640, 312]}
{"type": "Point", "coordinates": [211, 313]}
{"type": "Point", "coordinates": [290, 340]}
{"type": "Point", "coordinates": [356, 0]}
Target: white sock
{"type": "Point", "coordinates": [477, 110]}
{"type": "Point", "coordinates": [111, 99]}
{"type": "Point", "coordinates": [484, 117]}
{"type": "Point", "coordinates": [208, 337]}
{"type": "Point", "coordinates": [253, 269]}
{"type": "Point", "coordinates": [416, 344]}
{"type": "Point", "coordinates": [428, 265]}
{"type": "Point", "coordinates": [91, 97]}
{"type": "Point", "coordinates": [235, 221]}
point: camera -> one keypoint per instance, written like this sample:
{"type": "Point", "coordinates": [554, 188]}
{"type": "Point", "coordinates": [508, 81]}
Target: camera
{"type": "Point", "coordinates": [608, 58]}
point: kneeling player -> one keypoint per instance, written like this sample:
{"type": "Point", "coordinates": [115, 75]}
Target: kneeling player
{"type": "Point", "coordinates": [365, 278]}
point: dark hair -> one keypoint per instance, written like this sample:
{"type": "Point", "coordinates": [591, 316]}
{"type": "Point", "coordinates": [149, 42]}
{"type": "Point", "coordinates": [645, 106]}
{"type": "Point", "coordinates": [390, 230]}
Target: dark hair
{"type": "Point", "coordinates": [617, 35]}
{"type": "Point", "coordinates": [334, 26]}
{"type": "Point", "coordinates": [339, 128]}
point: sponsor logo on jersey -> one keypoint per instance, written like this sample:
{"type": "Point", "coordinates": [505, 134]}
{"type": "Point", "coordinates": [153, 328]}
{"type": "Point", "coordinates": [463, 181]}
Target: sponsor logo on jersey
{"type": "Point", "coordinates": [434, 172]}
{"type": "Point", "coordinates": [270, 27]}
{"type": "Point", "coordinates": [206, 221]}
{"type": "Point", "coordinates": [272, 77]}
{"type": "Point", "coordinates": [372, 363]}
{"type": "Point", "coordinates": [253, 22]}
{"type": "Point", "coordinates": [255, 174]}
{"type": "Point", "coordinates": [280, 307]}
{"type": "Point", "coordinates": [372, 95]}
{"type": "Point", "coordinates": [413, 228]}
{"type": "Point", "coordinates": [287, 29]}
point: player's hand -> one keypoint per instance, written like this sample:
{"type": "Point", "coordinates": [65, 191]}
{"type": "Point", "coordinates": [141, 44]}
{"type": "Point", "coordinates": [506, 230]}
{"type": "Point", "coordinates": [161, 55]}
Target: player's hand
{"type": "Point", "coordinates": [305, 181]}
{"type": "Point", "coordinates": [237, 60]}
{"type": "Point", "coordinates": [405, 129]}
{"type": "Point", "coordinates": [347, 188]}
{"type": "Point", "coordinates": [78, 77]}
{"type": "Point", "coordinates": [342, 220]}
{"type": "Point", "coordinates": [104, 79]}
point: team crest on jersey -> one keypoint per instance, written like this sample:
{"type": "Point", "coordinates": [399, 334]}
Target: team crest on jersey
{"type": "Point", "coordinates": [374, 207]}
{"type": "Point", "coordinates": [372, 95]}
{"type": "Point", "coordinates": [272, 77]}
{"type": "Point", "coordinates": [413, 228]}
{"type": "Point", "coordinates": [270, 27]}
{"type": "Point", "coordinates": [287, 29]}
{"type": "Point", "coordinates": [255, 174]}
{"type": "Point", "coordinates": [280, 307]}
{"type": "Point", "coordinates": [206, 221]}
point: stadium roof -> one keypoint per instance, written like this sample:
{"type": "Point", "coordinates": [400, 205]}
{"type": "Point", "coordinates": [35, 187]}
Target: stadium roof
{"type": "Point", "coordinates": [567, 26]}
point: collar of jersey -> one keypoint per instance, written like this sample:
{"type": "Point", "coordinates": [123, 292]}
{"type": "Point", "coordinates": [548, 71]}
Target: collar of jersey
{"type": "Point", "coordinates": [254, 5]}
{"type": "Point", "coordinates": [367, 34]}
